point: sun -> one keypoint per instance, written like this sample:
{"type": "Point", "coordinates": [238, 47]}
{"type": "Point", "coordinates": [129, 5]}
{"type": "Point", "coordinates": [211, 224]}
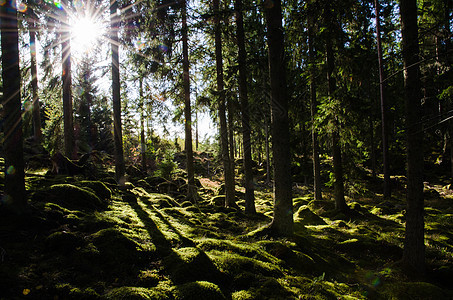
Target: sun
{"type": "Point", "coordinates": [86, 34]}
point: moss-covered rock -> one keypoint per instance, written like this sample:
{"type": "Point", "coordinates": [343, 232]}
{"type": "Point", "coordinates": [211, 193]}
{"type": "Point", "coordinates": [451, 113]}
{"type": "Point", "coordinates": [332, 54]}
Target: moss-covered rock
{"type": "Point", "coordinates": [198, 290]}
{"type": "Point", "coordinates": [306, 217]}
{"type": "Point", "coordinates": [415, 291]}
{"type": "Point", "coordinates": [63, 241]}
{"type": "Point", "coordinates": [191, 264]}
{"type": "Point", "coordinates": [66, 291]}
{"type": "Point", "coordinates": [101, 190]}
{"type": "Point", "coordinates": [136, 293]}
{"type": "Point", "coordinates": [115, 247]}
{"type": "Point", "coordinates": [71, 196]}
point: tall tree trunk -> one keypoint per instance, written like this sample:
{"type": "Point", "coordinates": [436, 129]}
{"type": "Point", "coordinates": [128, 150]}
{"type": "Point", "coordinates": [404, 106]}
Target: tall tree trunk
{"type": "Point", "coordinates": [142, 126]}
{"type": "Point", "coordinates": [37, 132]}
{"type": "Point", "coordinates": [117, 127]}
{"type": "Point", "coordinates": [268, 152]}
{"type": "Point", "coordinates": [282, 222]}
{"type": "Point", "coordinates": [385, 135]}
{"type": "Point", "coordinates": [313, 109]}
{"type": "Point", "coordinates": [414, 246]}
{"type": "Point", "coordinates": [245, 114]}
{"type": "Point", "coordinates": [69, 144]}
{"type": "Point", "coordinates": [340, 203]}
{"type": "Point", "coordinates": [225, 154]}
{"type": "Point", "coordinates": [196, 129]}
{"type": "Point", "coordinates": [15, 197]}
{"type": "Point", "coordinates": [191, 191]}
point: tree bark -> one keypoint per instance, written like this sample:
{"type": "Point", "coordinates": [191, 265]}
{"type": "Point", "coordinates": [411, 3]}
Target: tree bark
{"type": "Point", "coordinates": [142, 126]}
{"type": "Point", "coordinates": [245, 114]}
{"type": "Point", "coordinates": [340, 203]}
{"type": "Point", "coordinates": [313, 109]}
{"type": "Point", "coordinates": [414, 247]}
{"type": "Point", "coordinates": [15, 196]}
{"type": "Point", "coordinates": [117, 127]}
{"type": "Point", "coordinates": [385, 146]}
{"type": "Point", "coordinates": [191, 191]}
{"type": "Point", "coordinates": [282, 222]}
{"type": "Point", "coordinates": [224, 143]}
{"type": "Point", "coordinates": [69, 144]}
{"type": "Point", "coordinates": [37, 132]}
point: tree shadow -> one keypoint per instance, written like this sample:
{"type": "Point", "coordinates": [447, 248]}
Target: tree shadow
{"type": "Point", "coordinates": [184, 263]}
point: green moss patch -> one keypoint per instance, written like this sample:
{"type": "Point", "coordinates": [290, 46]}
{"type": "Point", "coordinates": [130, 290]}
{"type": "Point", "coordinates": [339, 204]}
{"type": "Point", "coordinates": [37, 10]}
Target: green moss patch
{"type": "Point", "coordinates": [71, 196]}
{"type": "Point", "coordinates": [191, 264]}
{"type": "Point", "coordinates": [199, 290]}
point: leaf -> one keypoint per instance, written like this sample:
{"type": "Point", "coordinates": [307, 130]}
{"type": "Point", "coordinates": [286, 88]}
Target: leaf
{"type": "Point", "coordinates": [25, 292]}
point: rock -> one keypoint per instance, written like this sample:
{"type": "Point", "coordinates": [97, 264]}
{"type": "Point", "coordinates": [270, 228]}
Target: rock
{"type": "Point", "coordinates": [305, 216]}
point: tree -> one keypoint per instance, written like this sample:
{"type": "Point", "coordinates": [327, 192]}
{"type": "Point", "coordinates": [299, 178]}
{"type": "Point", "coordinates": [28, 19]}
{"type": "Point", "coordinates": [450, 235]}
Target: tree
{"type": "Point", "coordinates": [340, 203]}
{"type": "Point", "coordinates": [12, 128]}
{"type": "Point", "coordinates": [34, 79]}
{"type": "Point", "coordinates": [414, 246]}
{"type": "Point", "coordinates": [313, 108]}
{"type": "Point", "coordinates": [228, 172]}
{"type": "Point", "coordinates": [384, 125]}
{"type": "Point", "coordinates": [117, 128]}
{"type": "Point", "coordinates": [191, 190]}
{"type": "Point", "coordinates": [243, 98]}
{"type": "Point", "coordinates": [69, 145]}
{"type": "Point", "coordinates": [282, 222]}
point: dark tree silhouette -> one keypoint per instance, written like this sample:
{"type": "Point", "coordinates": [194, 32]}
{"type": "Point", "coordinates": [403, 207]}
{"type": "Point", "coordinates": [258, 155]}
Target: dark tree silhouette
{"type": "Point", "coordinates": [414, 245]}
{"type": "Point", "coordinates": [282, 222]}
{"type": "Point", "coordinates": [15, 197]}
{"type": "Point", "coordinates": [117, 127]}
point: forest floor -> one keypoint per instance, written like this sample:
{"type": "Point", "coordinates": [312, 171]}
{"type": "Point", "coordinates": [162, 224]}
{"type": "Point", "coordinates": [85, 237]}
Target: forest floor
{"type": "Point", "coordinates": [89, 239]}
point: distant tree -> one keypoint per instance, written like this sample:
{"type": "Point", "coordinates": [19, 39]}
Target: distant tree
{"type": "Point", "coordinates": [224, 140]}
{"type": "Point", "coordinates": [69, 144]}
{"type": "Point", "coordinates": [34, 78]}
{"type": "Point", "coordinates": [245, 110]}
{"type": "Point", "coordinates": [282, 222]}
{"type": "Point", "coordinates": [12, 127]}
{"type": "Point", "coordinates": [313, 108]}
{"type": "Point", "coordinates": [191, 191]}
{"type": "Point", "coordinates": [340, 203]}
{"type": "Point", "coordinates": [414, 245]}
{"type": "Point", "coordinates": [117, 128]}
{"type": "Point", "coordinates": [384, 113]}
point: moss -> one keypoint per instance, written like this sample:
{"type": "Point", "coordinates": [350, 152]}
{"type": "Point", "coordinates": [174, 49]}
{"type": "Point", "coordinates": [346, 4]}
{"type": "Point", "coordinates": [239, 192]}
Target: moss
{"type": "Point", "coordinates": [306, 217]}
{"type": "Point", "coordinates": [232, 264]}
{"type": "Point", "coordinates": [101, 190]}
{"type": "Point", "coordinates": [199, 290]}
{"type": "Point", "coordinates": [73, 197]}
{"type": "Point", "coordinates": [66, 291]}
{"type": "Point", "coordinates": [115, 247]}
{"type": "Point", "coordinates": [414, 291]}
{"type": "Point", "coordinates": [218, 200]}
{"type": "Point", "coordinates": [242, 295]}
{"type": "Point", "coordinates": [244, 249]}
{"type": "Point", "coordinates": [63, 241]}
{"type": "Point", "coordinates": [190, 264]}
{"type": "Point", "coordinates": [135, 293]}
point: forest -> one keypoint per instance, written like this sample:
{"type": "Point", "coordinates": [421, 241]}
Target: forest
{"type": "Point", "coordinates": [226, 149]}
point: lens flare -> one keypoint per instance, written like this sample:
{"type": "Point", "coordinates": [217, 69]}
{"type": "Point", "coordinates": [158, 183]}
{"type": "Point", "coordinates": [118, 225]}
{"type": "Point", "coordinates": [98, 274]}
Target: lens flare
{"type": "Point", "coordinates": [163, 48]}
{"type": "Point", "coordinates": [33, 48]}
{"type": "Point", "coordinates": [140, 45]}
{"type": "Point", "coordinates": [78, 4]}
{"type": "Point", "coordinates": [22, 7]}
{"type": "Point", "coordinates": [58, 4]}
{"type": "Point", "coordinates": [11, 170]}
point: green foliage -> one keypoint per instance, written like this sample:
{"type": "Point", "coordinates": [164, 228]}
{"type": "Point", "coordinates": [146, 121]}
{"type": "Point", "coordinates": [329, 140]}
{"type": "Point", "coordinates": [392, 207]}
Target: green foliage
{"type": "Point", "coordinates": [167, 165]}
